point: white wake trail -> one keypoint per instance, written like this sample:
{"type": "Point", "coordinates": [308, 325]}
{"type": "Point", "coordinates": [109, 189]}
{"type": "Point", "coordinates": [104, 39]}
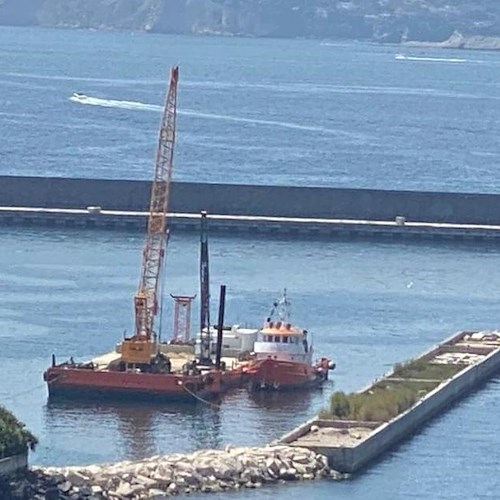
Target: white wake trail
{"type": "Point", "coordinates": [256, 121]}
{"type": "Point", "coordinates": [139, 106]}
{"type": "Point", "coordinates": [111, 103]}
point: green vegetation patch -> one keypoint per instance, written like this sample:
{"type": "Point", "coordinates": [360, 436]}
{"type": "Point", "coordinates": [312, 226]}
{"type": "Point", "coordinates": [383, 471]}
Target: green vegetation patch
{"type": "Point", "coordinates": [14, 437]}
{"type": "Point", "coordinates": [422, 369]}
{"type": "Point", "coordinates": [389, 398]}
{"type": "Point", "coordinates": [382, 402]}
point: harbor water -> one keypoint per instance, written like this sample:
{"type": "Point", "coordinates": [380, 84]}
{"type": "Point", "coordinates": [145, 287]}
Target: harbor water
{"type": "Point", "coordinates": [368, 306]}
{"type": "Point", "coordinates": [263, 111]}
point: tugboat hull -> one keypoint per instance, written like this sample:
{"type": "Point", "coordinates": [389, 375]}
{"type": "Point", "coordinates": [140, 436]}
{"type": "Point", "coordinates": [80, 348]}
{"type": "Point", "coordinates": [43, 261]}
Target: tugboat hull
{"type": "Point", "coordinates": [279, 375]}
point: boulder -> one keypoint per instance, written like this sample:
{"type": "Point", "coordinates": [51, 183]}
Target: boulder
{"type": "Point", "coordinates": [76, 478]}
{"type": "Point", "coordinates": [85, 491]}
{"type": "Point", "coordinates": [273, 467]}
{"type": "Point", "coordinates": [145, 481]}
{"type": "Point", "coordinates": [205, 469]}
{"type": "Point", "coordinates": [127, 490]}
{"type": "Point", "coordinates": [155, 494]}
{"type": "Point", "coordinates": [65, 486]}
{"type": "Point", "coordinates": [303, 458]}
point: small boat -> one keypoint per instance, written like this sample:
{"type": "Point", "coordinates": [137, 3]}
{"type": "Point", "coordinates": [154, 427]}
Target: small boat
{"type": "Point", "coordinates": [401, 57]}
{"type": "Point", "coordinates": [283, 355]}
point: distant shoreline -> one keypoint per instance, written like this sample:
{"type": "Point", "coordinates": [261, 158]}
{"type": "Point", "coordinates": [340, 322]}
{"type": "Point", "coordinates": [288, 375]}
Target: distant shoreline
{"type": "Point", "coordinates": [459, 41]}
{"type": "Point", "coordinates": [456, 41]}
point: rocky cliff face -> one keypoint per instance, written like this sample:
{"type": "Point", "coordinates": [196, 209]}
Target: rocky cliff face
{"type": "Point", "coordinates": [380, 20]}
{"type": "Point", "coordinates": [19, 12]}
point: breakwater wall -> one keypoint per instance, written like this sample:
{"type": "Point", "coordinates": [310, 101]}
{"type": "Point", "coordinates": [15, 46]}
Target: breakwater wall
{"type": "Point", "coordinates": [350, 445]}
{"type": "Point", "coordinates": [255, 200]}
{"type": "Point", "coordinates": [207, 471]}
{"type": "Point", "coordinates": [10, 465]}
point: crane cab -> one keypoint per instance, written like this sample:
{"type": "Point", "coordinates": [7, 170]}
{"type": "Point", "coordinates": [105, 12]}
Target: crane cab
{"type": "Point", "coordinates": [136, 351]}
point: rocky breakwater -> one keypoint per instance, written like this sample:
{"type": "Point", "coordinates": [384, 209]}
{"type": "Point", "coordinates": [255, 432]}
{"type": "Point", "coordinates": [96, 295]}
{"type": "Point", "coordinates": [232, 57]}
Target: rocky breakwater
{"type": "Point", "coordinates": [163, 476]}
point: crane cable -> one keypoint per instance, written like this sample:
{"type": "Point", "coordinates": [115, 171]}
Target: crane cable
{"type": "Point", "coordinates": [10, 397]}
{"type": "Point", "coordinates": [214, 405]}
{"type": "Point", "coordinates": [162, 292]}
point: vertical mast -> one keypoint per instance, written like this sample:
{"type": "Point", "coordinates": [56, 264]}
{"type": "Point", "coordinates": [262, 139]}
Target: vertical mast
{"type": "Point", "coordinates": [146, 300]}
{"type": "Point", "coordinates": [204, 292]}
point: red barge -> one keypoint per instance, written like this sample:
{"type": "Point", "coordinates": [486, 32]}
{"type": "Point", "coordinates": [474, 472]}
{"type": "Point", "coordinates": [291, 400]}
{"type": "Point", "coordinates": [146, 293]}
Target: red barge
{"type": "Point", "coordinates": [70, 380]}
{"type": "Point", "coordinates": [140, 368]}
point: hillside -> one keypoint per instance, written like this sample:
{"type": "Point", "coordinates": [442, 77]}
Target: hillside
{"type": "Point", "coordinates": [376, 20]}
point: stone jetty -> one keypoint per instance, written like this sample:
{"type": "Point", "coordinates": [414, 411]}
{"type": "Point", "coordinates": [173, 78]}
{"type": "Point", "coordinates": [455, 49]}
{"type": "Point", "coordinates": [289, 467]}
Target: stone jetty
{"type": "Point", "coordinates": [164, 476]}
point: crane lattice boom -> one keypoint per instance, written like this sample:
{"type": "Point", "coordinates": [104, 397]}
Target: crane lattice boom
{"type": "Point", "coordinates": [146, 301]}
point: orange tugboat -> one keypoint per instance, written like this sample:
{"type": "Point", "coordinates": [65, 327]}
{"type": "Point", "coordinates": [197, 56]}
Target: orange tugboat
{"type": "Point", "coordinates": [282, 358]}
{"type": "Point", "coordinates": [140, 368]}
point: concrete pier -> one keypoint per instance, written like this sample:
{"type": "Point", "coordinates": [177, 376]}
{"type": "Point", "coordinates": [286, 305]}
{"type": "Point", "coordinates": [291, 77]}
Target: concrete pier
{"type": "Point", "coordinates": [11, 465]}
{"type": "Point", "coordinates": [350, 445]}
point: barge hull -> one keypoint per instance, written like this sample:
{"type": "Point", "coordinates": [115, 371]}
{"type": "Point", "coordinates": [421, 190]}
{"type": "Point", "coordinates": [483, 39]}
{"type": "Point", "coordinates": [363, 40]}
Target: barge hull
{"type": "Point", "coordinates": [65, 381]}
{"type": "Point", "coordinates": [57, 393]}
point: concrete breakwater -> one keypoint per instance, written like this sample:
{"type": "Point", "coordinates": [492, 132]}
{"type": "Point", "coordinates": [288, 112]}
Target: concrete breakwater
{"type": "Point", "coordinates": [163, 476]}
{"type": "Point", "coordinates": [254, 200]}
{"type": "Point", "coordinates": [438, 378]}
{"type": "Point", "coordinates": [297, 212]}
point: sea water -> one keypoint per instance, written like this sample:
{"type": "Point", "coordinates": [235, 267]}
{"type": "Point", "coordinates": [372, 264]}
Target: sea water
{"type": "Point", "coordinates": [87, 104]}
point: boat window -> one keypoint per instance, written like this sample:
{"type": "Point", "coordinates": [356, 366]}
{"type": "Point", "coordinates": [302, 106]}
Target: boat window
{"type": "Point", "coordinates": [285, 340]}
{"type": "Point", "coordinates": [277, 338]}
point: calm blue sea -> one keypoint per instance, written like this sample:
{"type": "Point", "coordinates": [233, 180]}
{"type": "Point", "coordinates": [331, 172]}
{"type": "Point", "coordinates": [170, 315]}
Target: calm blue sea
{"type": "Point", "coordinates": [257, 111]}
{"type": "Point", "coordinates": [261, 111]}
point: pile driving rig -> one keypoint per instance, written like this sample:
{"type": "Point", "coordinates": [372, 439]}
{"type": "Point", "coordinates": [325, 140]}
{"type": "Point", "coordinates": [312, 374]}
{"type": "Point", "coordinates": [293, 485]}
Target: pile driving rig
{"type": "Point", "coordinates": [138, 369]}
